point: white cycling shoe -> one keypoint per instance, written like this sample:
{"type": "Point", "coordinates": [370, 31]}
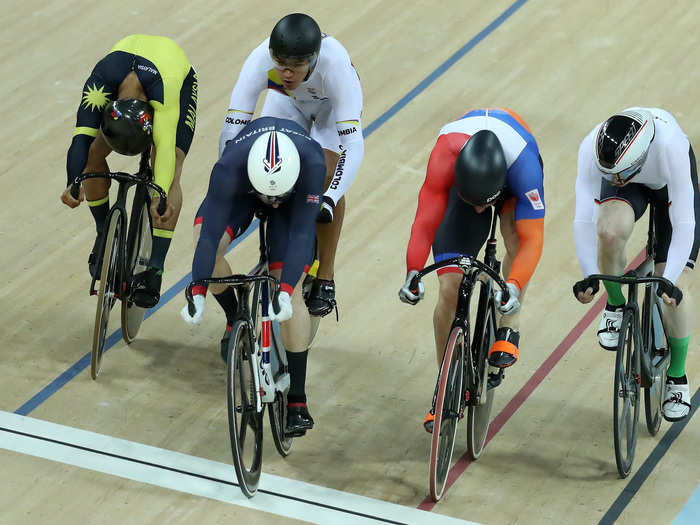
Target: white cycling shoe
{"type": "Point", "coordinates": [676, 405]}
{"type": "Point", "coordinates": [609, 329]}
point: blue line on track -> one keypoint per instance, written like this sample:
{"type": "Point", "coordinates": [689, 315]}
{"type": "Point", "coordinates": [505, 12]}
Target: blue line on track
{"type": "Point", "coordinates": [619, 505]}
{"type": "Point", "coordinates": [84, 361]}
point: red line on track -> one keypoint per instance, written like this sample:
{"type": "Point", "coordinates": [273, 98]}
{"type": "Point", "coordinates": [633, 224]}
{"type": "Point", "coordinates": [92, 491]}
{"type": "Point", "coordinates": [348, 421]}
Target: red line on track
{"type": "Point", "coordinates": [537, 377]}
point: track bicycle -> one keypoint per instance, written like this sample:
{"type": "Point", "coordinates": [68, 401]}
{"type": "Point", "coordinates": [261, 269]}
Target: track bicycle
{"type": "Point", "coordinates": [257, 371]}
{"type": "Point", "coordinates": [642, 357]}
{"type": "Point", "coordinates": [125, 251]}
{"type": "Point", "coordinates": [464, 381]}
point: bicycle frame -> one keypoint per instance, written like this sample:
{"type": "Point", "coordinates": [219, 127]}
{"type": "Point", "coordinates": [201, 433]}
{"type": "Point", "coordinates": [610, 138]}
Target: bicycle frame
{"type": "Point", "coordinates": [472, 270]}
{"type": "Point", "coordinates": [144, 177]}
{"type": "Point", "coordinates": [258, 281]}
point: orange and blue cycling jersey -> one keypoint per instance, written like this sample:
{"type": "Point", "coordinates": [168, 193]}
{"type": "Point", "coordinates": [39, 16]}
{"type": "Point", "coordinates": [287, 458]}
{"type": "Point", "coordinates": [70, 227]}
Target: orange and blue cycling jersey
{"type": "Point", "coordinates": [523, 193]}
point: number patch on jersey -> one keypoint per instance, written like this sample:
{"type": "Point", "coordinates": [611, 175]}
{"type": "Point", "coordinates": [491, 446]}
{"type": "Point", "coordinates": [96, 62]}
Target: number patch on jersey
{"type": "Point", "coordinates": [534, 197]}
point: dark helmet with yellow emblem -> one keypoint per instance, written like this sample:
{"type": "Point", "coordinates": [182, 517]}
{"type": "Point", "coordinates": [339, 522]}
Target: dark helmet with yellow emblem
{"type": "Point", "coordinates": [127, 126]}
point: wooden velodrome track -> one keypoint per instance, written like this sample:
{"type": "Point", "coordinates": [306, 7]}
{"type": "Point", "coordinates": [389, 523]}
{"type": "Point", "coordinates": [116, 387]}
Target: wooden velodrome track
{"type": "Point", "coordinates": [564, 66]}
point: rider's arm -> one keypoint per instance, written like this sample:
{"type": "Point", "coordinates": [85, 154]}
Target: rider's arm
{"type": "Point", "coordinates": [432, 202]}
{"type": "Point", "coordinates": [302, 227]}
{"type": "Point", "coordinates": [223, 189]}
{"type": "Point", "coordinates": [345, 93]}
{"type": "Point", "coordinates": [588, 183]}
{"type": "Point", "coordinates": [525, 182]}
{"type": "Point", "coordinates": [251, 81]}
{"type": "Point", "coordinates": [87, 125]}
{"type": "Point", "coordinates": [165, 118]}
{"type": "Point", "coordinates": [681, 211]}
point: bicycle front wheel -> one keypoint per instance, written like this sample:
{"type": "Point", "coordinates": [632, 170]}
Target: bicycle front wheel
{"type": "Point", "coordinates": [626, 397]}
{"type": "Point", "coordinates": [107, 293]}
{"type": "Point", "coordinates": [447, 412]}
{"type": "Point", "coordinates": [244, 421]}
{"type": "Point", "coordinates": [141, 241]}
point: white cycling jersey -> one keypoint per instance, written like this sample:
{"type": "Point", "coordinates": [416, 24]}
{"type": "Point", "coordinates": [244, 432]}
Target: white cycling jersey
{"type": "Point", "coordinates": [667, 164]}
{"type": "Point", "coordinates": [328, 104]}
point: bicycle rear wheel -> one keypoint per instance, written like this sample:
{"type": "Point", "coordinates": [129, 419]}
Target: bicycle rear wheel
{"type": "Point", "coordinates": [447, 412]}
{"type": "Point", "coordinates": [479, 409]}
{"type": "Point", "coordinates": [108, 291]}
{"type": "Point", "coordinates": [277, 411]}
{"type": "Point", "coordinates": [141, 241]}
{"type": "Point", "coordinates": [654, 393]}
{"type": "Point", "coordinates": [245, 423]}
{"type": "Point", "coordinates": [626, 397]}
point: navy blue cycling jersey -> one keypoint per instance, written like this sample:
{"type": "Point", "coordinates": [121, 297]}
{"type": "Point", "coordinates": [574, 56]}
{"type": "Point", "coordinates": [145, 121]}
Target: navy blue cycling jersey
{"type": "Point", "coordinates": [231, 201]}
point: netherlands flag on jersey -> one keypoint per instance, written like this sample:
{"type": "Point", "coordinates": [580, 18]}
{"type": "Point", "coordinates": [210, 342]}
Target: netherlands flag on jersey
{"type": "Point", "coordinates": [272, 161]}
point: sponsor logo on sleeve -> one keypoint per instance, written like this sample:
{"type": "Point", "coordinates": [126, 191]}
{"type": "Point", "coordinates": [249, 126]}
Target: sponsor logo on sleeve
{"type": "Point", "coordinates": [339, 168]}
{"type": "Point", "coordinates": [535, 201]}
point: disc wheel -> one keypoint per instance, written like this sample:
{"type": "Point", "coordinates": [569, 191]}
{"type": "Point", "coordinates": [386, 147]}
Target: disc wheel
{"type": "Point", "coordinates": [626, 397]}
{"type": "Point", "coordinates": [277, 411]}
{"type": "Point", "coordinates": [245, 422]}
{"type": "Point", "coordinates": [447, 412]}
{"type": "Point", "coordinates": [107, 292]}
{"type": "Point", "coordinates": [142, 239]}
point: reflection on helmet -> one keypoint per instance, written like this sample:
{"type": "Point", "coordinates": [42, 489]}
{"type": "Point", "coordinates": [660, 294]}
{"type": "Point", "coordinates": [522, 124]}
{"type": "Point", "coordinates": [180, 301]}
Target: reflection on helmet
{"type": "Point", "coordinates": [480, 169]}
{"type": "Point", "coordinates": [273, 167]}
{"type": "Point", "coordinates": [622, 144]}
{"type": "Point", "coordinates": [127, 126]}
{"type": "Point", "coordinates": [295, 36]}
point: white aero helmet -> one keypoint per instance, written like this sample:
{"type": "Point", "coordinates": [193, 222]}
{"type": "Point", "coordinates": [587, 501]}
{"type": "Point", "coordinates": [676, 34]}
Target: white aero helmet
{"type": "Point", "coordinates": [273, 166]}
{"type": "Point", "coordinates": [622, 144]}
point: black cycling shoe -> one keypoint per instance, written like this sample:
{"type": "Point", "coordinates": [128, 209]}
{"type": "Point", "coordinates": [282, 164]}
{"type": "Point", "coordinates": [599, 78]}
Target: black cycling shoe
{"type": "Point", "coordinates": [321, 299]}
{"type": "Point", "coordinates": [95, 259]}
{"type": "Point", "coordinates": [298, 420]}
{"type": "Point", "coordinates": [146, 292]}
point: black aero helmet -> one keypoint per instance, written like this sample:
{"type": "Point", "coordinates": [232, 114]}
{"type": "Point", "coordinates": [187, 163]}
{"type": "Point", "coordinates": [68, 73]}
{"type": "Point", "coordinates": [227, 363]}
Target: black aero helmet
{"type": "Point", "coordinates": [480, 169]}
{"type": "Point", "coordinates": [127, 125]}
{"type": "Point", "coordinates": [295, 36]}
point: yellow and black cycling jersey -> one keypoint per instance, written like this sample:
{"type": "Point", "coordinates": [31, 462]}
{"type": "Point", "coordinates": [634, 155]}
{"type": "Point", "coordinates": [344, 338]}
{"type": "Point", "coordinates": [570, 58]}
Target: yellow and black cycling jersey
{"type": "Point", "coordinates": [170, 83]}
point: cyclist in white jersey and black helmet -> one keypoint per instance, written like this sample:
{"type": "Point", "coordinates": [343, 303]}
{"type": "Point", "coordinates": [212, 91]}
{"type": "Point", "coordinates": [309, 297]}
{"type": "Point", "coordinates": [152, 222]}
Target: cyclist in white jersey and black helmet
{"type": "Point", "coordinates": [636, 156]}
{"type": "Point", "coordinates": [309, 79]}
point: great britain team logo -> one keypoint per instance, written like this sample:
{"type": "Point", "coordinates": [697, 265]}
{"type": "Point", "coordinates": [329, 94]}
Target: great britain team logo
{"type": "Point", "coordinates": [273, 161]}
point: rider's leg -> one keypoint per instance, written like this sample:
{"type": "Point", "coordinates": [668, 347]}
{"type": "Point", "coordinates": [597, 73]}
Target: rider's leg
{"type": "Point", "coordinates": [97, 196]}
{"type": "Point", "coordinates": [445, 309]}
{"type": "Point", "coordinates": [147, 292]}
{"type": "Point", "coordinates": [322, 295]}
{"type": "Point", "coordinates": [295, 337]}
{"type": "Point", "coordinates": [615, 224]}
{"type": "Point", "coordinates": [505, 349]}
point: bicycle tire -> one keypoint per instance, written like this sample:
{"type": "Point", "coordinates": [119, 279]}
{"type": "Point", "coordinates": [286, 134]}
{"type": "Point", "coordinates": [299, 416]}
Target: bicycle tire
{"type": "Point", "coordinates": [654, 393]}
{"type": "Point", "coordinates": [245, 423]}
{"type": "Point", "coordinates": [626, 397]}
{"type": "Point", "coordinates": [479, 414]}
{"type": "Point", "coordinates": [277, 411]}
{"type": "Point", "coordinates": [447, 412]}
{"type": "Point", "coordinates": [108, 290]}
{"type": "Point", "coordinates": [140, 241]}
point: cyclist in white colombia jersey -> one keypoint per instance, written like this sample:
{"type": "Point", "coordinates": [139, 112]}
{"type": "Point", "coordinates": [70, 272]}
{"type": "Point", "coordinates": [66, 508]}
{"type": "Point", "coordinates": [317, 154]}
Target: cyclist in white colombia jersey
{"type": "Point", "coordinates": [309, 79]}
{"type": "Point", "coordinates": [637, 156]}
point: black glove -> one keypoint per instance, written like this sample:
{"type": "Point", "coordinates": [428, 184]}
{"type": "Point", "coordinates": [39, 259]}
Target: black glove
{"type": "Point", "coordinates": [667, 288]}
{"type": "Point", "coordinates": [325, 214]}
{"type": "Point", "coordinates": [585, 284]}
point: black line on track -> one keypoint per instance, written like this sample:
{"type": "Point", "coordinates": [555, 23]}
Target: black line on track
{"type": "Point", "coordinates": [620, 504]}
{"type": "Point", "coordinates": [201, 476]}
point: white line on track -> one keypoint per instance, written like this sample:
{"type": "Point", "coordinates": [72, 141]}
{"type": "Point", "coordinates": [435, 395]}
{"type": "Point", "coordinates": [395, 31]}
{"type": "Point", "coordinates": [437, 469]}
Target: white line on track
{"type": "Point", "coordinates": [199, 476]}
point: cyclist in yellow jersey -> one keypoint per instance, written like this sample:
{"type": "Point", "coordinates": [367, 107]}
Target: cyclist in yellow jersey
{"type": "Point", "coordinates": [155, 70]}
